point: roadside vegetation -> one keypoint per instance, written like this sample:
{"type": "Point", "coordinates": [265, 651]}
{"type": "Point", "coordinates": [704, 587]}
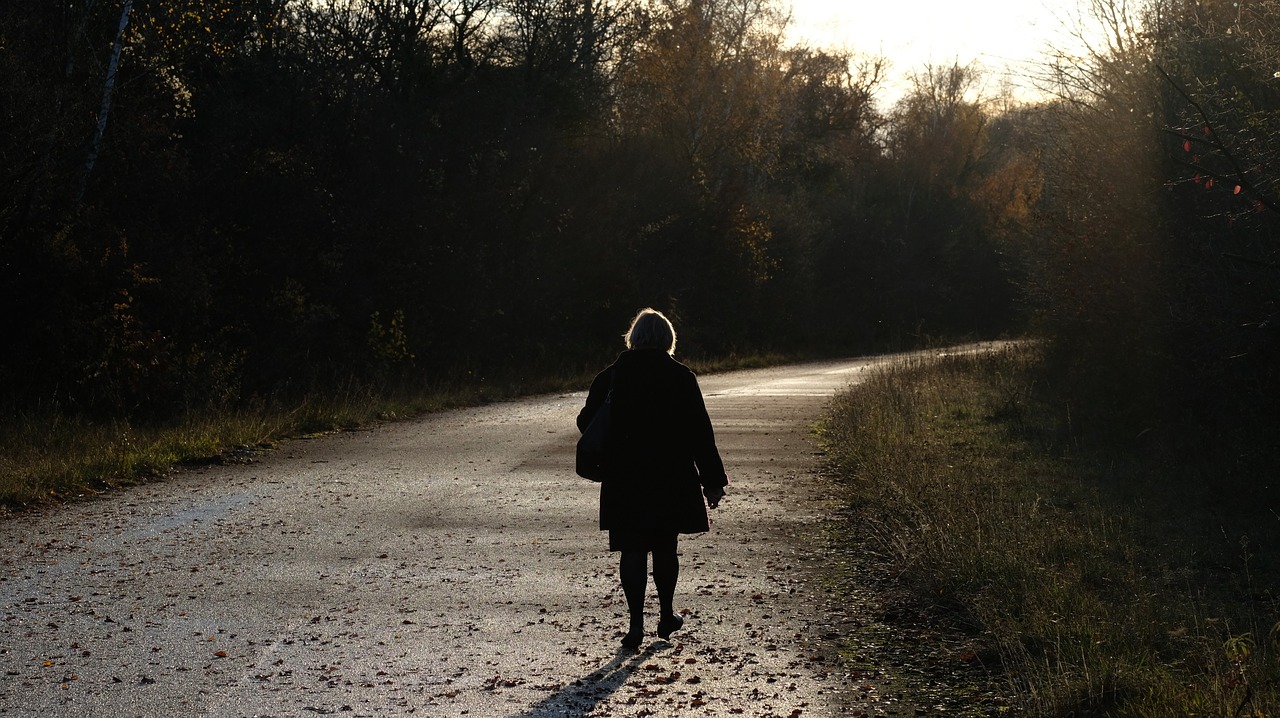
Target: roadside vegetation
{"type": "Point", "coordinates": [51, 456]}
{"type": "Point", "coordinates": [1098, 571]}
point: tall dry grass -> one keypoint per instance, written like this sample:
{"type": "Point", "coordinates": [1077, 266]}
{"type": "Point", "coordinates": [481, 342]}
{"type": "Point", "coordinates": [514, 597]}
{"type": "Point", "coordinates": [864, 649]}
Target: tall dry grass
{"type": "Point", "coordinates": [55, 455]}
{"type": "Point", "coordinates": [1094, 573]}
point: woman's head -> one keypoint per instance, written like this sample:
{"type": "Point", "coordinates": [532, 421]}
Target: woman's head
{"type": "Point", "coordinates": [651, 330]}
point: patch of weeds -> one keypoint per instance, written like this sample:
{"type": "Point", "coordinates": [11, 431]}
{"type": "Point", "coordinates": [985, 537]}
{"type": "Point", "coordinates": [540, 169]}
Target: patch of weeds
{"type": "Point", "coordinates": [1110, 581]}
{"type": "Point", "coordinates": [908, 656]}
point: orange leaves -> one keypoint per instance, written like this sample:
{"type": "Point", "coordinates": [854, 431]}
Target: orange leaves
{"type": "Point", "coordinates": [1206, 182]}
{"type": "Point", "coordinates": [1210, 182]}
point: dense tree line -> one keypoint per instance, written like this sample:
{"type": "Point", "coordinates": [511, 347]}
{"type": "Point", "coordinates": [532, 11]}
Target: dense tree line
{"type": "Point", "coordinates": [205, 200]}
{"type": "Point", "coordinates": [1155, 265]}
{"type": "Point", "coordinates": [208, 200]}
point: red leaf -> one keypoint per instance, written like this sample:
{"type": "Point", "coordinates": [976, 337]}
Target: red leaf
{"type": "Point", "coordinates": [1186, 145]}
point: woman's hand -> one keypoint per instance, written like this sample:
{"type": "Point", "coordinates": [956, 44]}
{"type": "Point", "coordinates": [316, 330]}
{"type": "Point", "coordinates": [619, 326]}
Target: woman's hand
{"type": "Point", "coordinates": [713, 496]}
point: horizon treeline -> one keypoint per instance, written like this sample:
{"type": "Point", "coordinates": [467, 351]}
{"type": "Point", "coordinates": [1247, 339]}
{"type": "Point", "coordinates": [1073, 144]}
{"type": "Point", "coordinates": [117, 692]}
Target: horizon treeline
{"type": "Point", "coordinates": [203, 201]}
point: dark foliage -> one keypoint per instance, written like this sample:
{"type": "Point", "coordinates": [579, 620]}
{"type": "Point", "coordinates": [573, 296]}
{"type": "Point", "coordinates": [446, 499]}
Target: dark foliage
{"type": "Point", "coordinates": [1156, 272]}
{"type": "Point", "coordinates": [293, 194]}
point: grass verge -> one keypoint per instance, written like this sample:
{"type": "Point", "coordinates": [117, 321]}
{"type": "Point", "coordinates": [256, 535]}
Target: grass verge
{"type": "Point", "coordinates": [1103, 581]}
{"type": "Point", "coordinates": [52, 456]}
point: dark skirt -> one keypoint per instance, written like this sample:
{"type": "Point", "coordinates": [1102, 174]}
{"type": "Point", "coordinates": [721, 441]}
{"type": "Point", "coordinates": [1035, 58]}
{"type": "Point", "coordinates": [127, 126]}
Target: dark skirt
{"type": "Point", "coordinates": [641, 540]}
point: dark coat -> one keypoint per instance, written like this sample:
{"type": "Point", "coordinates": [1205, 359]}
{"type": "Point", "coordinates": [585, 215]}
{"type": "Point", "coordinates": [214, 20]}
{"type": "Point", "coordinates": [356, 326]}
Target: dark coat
{"type": "Point", "coordinates": [661, 445]}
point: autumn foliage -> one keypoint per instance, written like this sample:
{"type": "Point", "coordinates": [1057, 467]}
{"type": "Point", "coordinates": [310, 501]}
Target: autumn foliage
{"type": "Point", "coordinates": [1155, 270]}
{"type": "Point", "coordinates": [290, 194]}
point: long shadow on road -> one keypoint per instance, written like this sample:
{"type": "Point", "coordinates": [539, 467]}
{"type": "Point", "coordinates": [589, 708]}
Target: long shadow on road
{"type": "Point", "coordinates": [583, 696]}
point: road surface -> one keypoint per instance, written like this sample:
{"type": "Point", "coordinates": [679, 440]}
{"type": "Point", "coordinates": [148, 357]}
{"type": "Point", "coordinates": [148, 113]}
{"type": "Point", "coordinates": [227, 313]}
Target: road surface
{"type": "Point", "coordinates": [445, 566]}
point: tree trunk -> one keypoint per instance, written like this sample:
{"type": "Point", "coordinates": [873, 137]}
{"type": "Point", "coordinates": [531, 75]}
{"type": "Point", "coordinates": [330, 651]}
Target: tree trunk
{"type": "Point", "coordinates": [108, 89]}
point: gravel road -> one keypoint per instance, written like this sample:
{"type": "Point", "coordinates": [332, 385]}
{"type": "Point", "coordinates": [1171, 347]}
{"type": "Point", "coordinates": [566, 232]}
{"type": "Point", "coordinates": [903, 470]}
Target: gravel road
{"type": "Point", "coordinates": [445, 566]}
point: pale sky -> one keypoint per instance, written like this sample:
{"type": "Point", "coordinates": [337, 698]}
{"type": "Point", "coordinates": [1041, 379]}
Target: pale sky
{"type": "Point", "coordinates": [1003, 35]}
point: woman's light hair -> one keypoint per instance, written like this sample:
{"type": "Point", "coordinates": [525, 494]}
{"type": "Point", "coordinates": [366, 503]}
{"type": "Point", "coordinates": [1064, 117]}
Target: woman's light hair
{"type": "Point", "coordinates": [651, 330]}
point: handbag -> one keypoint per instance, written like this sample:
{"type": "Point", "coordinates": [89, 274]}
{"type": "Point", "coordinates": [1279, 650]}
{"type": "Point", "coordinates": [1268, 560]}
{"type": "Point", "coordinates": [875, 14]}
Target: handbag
{"type": "Point", "coordinates": [593, 444]}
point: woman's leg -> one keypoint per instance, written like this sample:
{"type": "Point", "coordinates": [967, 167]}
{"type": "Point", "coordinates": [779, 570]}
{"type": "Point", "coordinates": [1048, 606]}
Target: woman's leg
{"type": "Point", "coordinates": [666, 572]}
{"type": "Point", "coordinates": [633, 569]}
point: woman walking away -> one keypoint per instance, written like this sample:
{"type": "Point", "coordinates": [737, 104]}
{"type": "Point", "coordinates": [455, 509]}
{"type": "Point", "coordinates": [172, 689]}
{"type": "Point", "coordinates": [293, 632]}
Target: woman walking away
{"type": "Point", "coordinates": [662, 462]}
